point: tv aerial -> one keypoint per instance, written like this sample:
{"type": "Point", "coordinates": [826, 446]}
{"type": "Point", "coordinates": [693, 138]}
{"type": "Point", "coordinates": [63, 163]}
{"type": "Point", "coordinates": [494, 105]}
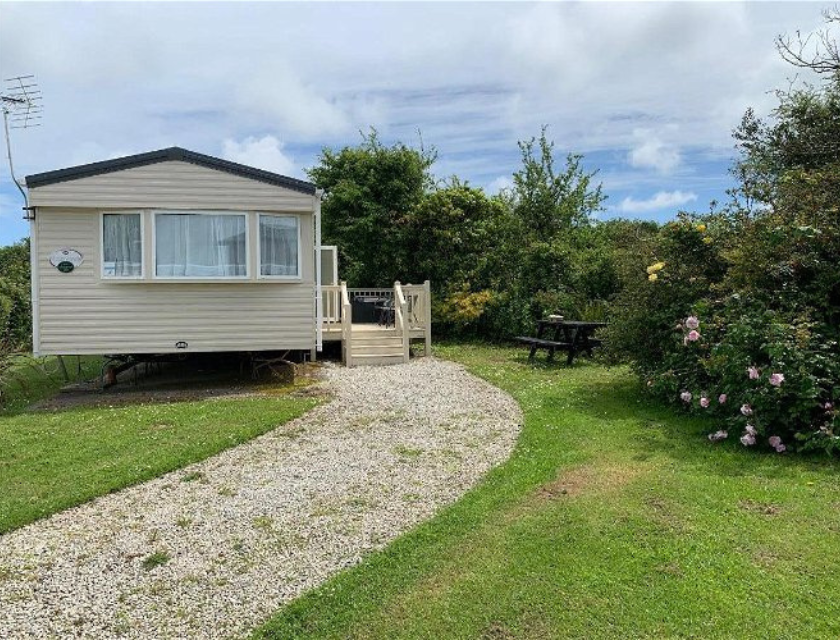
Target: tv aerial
{"type": "Point", "coordinates": [22, 105]}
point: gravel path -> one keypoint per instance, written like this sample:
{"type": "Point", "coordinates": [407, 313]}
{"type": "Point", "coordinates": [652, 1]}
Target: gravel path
{"type": "Point", "coordinates": [261, 523]}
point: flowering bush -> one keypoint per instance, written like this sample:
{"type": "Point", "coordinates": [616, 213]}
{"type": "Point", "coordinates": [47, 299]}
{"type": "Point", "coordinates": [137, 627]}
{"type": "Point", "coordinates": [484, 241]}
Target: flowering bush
{"type": "Point", "coordinates": [745, 302]}
{"type": "Point", "coordinates": [775, 378]}
{"type": "Point", "coordinates": [662, 280]}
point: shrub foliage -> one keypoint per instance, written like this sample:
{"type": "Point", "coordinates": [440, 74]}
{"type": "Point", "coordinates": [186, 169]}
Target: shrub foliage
{"type": "Point", "coordinates": [738, 314]}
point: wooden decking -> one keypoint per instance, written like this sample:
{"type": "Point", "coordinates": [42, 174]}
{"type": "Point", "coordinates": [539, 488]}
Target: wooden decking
{"type": "Point", "coordinates": [371, 343]}
{"type": "Point", "coordinates": [333, 331]}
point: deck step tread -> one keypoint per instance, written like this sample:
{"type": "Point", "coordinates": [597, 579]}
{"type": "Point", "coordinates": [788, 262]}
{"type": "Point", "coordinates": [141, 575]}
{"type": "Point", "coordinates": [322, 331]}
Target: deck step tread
{"type": "Point", "coordinates": [371, 360]}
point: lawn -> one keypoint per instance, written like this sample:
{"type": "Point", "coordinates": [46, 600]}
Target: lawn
{"type": "Point", "coordinates": [615, 518]}
{"type": "Point", "coordinates": [35, 379]}
{"type": "Point", "coordinates": [52, 460]}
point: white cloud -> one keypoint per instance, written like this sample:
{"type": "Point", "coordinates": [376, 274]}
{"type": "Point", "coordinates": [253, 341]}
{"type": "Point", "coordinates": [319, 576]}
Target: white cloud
{"type": "Point", "coordinates": [498, 184]}
{"type": "Point", "coordinates": [473, 78]}
{"type": "Point", "coordinates": [141, 77]}
{"type": "Point", "coordinates": [263, 153]}
{"type": "Point", "coordinates": [274, 93]}
{"type": "Point", "coordinates": [660, 200]}
{"type": "Point", "coordinates": [93, 152]}
{"type": "Point", "coordinates": [651, 152]}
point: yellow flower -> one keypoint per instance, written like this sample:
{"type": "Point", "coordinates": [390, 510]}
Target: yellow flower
{"type": "Point", "coordinates": [653, 277]}
{"type": "Point", "coordinates": [701, 228]}
{"type": "Point", "coordinates": [656, 267]}
{"type": "Point", "coordinates": [707, 240]}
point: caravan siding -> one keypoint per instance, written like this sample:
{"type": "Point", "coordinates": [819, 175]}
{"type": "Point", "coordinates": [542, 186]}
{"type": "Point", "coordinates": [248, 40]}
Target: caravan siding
{"type": "Point", "coordinates": [81, 313]}
{"type": "Point", "coordinates": [176, 185]}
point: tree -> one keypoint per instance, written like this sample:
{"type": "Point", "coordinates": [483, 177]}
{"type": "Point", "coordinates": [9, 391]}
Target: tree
{"type": "Point", "coordinates": [549, 202]}
{"type": "Point", "coordinates": [453, 238]}
{"type": "Point", "coordinates": [15, 314]}
{"type": "Point", "coordinates": [785, 214]}
{"type": "Point", "coordinates": [370, 189]}
{"type": "Point", "coordinates": [823, 57]}
{"type": "Point", "coordinates": [755, 287]}
{"type": "Point", "coordinates": [551, 209]}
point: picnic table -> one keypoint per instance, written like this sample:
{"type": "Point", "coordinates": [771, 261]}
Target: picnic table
{"type": "Point", "coordinates": [555, 334]}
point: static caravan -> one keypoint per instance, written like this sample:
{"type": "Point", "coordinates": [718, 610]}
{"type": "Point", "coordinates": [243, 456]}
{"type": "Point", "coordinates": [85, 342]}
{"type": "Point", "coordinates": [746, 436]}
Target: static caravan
{"type": "Point", "coordinates": [174, 251]}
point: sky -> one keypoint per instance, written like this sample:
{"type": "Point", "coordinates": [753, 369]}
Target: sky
{"type": "Point", "coordinates": [649, 93]}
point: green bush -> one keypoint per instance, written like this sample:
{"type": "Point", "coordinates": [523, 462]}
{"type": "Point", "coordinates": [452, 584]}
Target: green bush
{"type": "Point", "coordinates": [761, 282]}
{"type": "Point", "coordinates": [693, 327]}
{"type": "Point", "coordinates": [663, 279]}
{"type": "Point", "coordinates": [771, 379]}
{"type": "Point", "coordinates": [15, 313]}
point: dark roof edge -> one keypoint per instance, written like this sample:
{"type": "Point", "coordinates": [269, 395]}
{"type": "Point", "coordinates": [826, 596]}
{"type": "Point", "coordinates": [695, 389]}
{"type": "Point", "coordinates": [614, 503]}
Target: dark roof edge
{"type": "Point", "coordinates": [164, 155]}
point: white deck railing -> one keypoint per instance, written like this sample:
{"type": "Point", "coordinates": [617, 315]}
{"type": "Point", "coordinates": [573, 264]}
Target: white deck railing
{"type": "Point", "coordinates": [419, 298]}
{"type": "Point", "coordinates": [331, 306]}
{"type": "Point", "coordinates": [346, 326]}
{"type": "Point", "coordinates": [401, 319]}
{"type": "Point", "coordinates": [412, 312]}
{"type": "Point", "coordinates": [373, 292]}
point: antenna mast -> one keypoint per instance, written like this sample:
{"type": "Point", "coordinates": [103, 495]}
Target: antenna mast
{"type": "Point", "coordinates": [21, 101]}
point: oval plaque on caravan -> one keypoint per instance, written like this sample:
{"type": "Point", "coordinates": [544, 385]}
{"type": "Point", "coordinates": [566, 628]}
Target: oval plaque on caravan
{"type": "Point", "coordinates": [61, 258]}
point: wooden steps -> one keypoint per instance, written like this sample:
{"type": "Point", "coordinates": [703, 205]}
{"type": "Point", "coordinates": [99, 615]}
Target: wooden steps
{"type": "Point", "coordinates": [374, 348]}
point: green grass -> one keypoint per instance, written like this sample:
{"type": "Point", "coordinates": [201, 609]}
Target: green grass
{"type": "Point", "coordinates": [50, 461]}
{"type": "Point", "coordinates": [34, 380]}
{"type": "Point", "coordinates": [157, 559]}
{"type": "Point", "coordinates": [614, 518]}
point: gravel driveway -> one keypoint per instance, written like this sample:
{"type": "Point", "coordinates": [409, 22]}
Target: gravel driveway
{"type": "Point", "coordinates": [255, 526]}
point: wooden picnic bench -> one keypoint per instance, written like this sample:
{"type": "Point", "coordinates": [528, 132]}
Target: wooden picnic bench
{"type": "Point", "coordinates": [572, 336]}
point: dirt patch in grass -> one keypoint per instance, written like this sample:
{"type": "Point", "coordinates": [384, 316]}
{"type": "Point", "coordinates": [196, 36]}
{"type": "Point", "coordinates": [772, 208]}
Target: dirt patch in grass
{"type": "Point", "coordinates": [761, 508]}
{"type": "Point", "coordinates": [665, 514]}
{"type": "Point", "coordinates": [765, 557]}
{"type": "Point", "coordinates": [192, 386]}
{"type": "Point", "coordinates": [603, 477]}
{"type": "Point", "coordinates": [670, 569]}
{"type": "Point", "coordinates": [496, 631]}
{"type": "Point", "coordinates": [595, 478]}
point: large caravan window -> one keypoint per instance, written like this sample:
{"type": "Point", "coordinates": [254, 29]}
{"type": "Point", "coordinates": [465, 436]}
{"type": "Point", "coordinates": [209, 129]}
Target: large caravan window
{"type": "Point", "coordinates": [201, 245]}
{"type": "Point", "coordinates": [122, 245]}
{"type": "Point", "coordinates": [279, 246]}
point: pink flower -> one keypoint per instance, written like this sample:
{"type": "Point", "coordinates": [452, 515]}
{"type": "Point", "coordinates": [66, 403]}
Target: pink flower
{"type": "Point", "coordinates": [753, 373]}
{"type": "Point", "coordinates": [746, 409]}
{"type": "Point", "coordinates": [750, 430]}
{"type": "Point", "coordinates": [704, 402]}
{"type": "Point", "coordinates": [692, 336]}
{"type": "Point", "coordinates": [776, 443]}
{"type": "Point", "coordinates": [828, 406]}
{"type": "Point", "coordinates": [692, 322]}
{"type": "Point", "coordinates": [717, 436]}
{"type": "Point", "coordinates": [685, 396]}
{"type": "Point", "coordinates": [777, 379]}
{"type": "Point", "coordinates": [722, 398]}
{"type": "Point", "coordinates": [747, 440]}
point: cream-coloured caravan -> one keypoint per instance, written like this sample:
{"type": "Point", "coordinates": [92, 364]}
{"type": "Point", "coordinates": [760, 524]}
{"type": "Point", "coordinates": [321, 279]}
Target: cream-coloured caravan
{"type": "Point", "coordinates": [173, 251]}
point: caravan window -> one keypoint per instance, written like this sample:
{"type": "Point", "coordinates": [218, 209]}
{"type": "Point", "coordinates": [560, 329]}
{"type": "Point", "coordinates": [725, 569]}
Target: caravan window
{"type": "Point", "coordinates": [122, 245]}
{"type": "Point", "coordinates": [279, 246]}
{"type": "Point", "coordinates": [201, 245]}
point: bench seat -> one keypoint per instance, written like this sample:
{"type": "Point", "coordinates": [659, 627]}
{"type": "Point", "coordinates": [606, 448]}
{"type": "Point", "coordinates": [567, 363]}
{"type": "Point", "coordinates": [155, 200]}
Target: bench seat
{"type": "Point", "coordinates": [545, 344]}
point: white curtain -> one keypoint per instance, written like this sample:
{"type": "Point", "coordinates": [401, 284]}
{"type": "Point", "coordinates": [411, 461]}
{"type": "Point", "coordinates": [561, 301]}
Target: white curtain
{"type": "Point", "coordinates": [279, 245]}
{"type": "Point", "coordinates": [200, 246]}
{"type": "Point", "coordinates": [122, 247]}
